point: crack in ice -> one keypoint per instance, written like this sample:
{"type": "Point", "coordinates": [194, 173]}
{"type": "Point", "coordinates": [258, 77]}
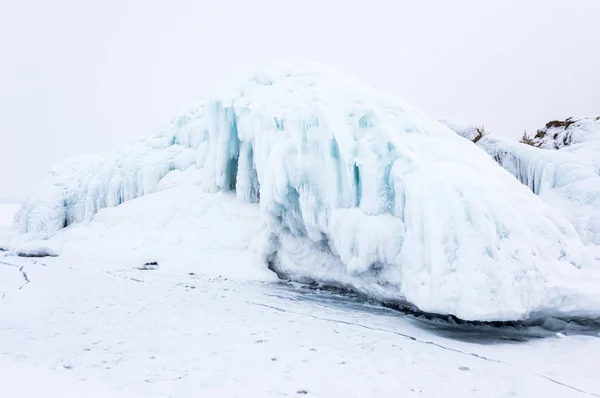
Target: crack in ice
{"type": "Point", "coordinates": [566, 385]}
{"type": "Point", "coordinates": [21, 269]}
{"type": "Point", "coordinates": [418, 341]}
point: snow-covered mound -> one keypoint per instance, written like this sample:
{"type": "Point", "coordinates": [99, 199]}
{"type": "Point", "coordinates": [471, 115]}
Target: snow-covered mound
{"type": "Point", "coordinates": [179, 229]}
{"type": "Point", "coordinates": [356, 188]}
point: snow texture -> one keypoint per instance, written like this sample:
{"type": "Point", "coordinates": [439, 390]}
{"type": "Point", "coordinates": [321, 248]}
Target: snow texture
{"type": "Point", "coordinates": [356, 188]}
{"type": "Point", "coordinates": [465, 130]}
{"type": "Point", "coordinates": [203, 326]}
{"type": "Point", "coordinates": [560, 134]}
{"type": "Point", "coordinates": [561, 164]}
{"type": "Point", "coordinates": [579, 136]}
{"type": "Point", "coordinates": [88, 326]}
{"type": "Point", "coordinates": [562, 179]}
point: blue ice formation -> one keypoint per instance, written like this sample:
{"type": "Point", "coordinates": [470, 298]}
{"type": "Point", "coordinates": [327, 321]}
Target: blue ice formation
{"type": "Point", "coordinates": [357, 189]}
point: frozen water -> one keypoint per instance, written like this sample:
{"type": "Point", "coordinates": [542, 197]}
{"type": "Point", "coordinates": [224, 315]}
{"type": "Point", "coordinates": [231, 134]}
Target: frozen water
{"type": "Point", "coordinates": [355, 188]}
{"type": "Point", "coordinates": [561, 165]}
{"type": "Point", "coordinates": [91, 328]}
{"type": "Point", "coordinates": [561, 178]}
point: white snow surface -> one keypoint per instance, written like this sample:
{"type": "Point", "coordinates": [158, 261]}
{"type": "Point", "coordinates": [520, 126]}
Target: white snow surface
{"type": "Point", "coordinates": [355, 188]}
{"type": "Point", "coordinates": [210, 321]}
{"type": "Point", "coordinates": [465, 130]}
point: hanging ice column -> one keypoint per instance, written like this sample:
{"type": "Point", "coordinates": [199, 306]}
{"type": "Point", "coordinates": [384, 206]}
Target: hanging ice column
{"type": "Point", "coordinates": [363, 190]}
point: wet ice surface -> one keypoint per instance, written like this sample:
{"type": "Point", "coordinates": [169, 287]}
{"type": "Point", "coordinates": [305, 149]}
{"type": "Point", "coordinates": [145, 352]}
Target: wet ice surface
{"type": "Point", "coordinates": [450, 327]}
{"type": "Point", "coordinates": [178, 333]}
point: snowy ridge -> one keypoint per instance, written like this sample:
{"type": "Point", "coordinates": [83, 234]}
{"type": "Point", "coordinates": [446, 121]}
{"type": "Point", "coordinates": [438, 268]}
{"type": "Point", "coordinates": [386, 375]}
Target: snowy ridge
{"type": "Point", "coordinates": [356, 188]}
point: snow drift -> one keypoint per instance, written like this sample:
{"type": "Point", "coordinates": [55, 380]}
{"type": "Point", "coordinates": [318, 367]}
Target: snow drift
{"type": "Point", "coordinates": [356, 188]}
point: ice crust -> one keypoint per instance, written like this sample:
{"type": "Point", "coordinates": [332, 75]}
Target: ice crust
{"type": "Point", "coordinates": [356, 188]}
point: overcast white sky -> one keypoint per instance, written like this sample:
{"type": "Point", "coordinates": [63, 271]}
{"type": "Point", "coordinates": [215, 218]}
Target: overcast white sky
{"type": "Point", "coordinates": [82, 76]}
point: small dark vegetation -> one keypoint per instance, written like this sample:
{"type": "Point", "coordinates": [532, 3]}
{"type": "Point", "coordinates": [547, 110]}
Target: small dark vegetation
{"type": "Point", "coordinates": [480, 134]}
{"type": "Point", "coordinates": [149, 266]}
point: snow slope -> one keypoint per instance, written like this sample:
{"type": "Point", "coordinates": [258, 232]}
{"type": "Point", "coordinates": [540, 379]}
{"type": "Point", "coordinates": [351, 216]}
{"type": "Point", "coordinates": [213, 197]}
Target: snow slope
{"type": "Point", "coordinates": [180, 227]}
{"type": "Point", "coordinates": [465, 130]}
{"type": "Point", "coordinates": [355, 188]}
{"type": "Point", "coordinates": [562, 179]}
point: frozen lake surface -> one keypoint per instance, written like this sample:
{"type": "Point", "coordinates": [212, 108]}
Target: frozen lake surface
{"type": "Point", "coordinates": [72, 327]}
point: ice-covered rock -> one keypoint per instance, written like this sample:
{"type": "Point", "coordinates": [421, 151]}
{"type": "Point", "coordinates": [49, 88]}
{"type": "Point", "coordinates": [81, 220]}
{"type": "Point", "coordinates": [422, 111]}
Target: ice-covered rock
{"type": "Point", "coordinates": [579, 136]}
{"type": "Point", "coordinates": [558, 134]}
{"type": "Point", "coordinates": [356, 188]}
